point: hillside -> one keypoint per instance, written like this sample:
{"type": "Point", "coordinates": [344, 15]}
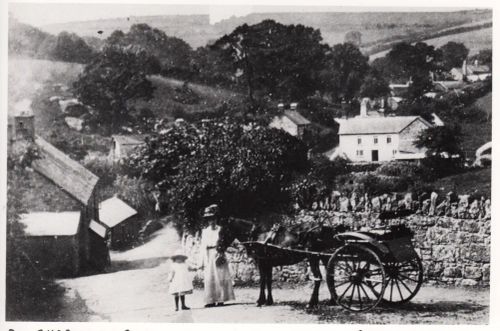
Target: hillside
{"type": "Point", "coordinates": [171, 100]}
{"type": "Point", "coordinates": [374, 26]}
{"type": "Point", "coordinates": [475, 41]}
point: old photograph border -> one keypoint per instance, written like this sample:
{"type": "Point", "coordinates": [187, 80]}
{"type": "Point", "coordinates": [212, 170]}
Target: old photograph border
{"type": "Point", "coordinates": [494, 290]}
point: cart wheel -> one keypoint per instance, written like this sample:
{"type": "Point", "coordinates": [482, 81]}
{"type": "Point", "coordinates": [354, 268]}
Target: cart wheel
{"type": "Point", "coordinates": [403, 280]}
{"type": "Point", "coordinates": [352, 272]}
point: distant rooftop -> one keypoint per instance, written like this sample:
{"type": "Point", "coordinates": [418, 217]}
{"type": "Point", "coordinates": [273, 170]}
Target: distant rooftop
{"type": "Point", "coordinates": [135, 139]}
{"type": "Point", "coordinates": [296, 118]}
{"type": "Point", "coordinates": [377, 125]}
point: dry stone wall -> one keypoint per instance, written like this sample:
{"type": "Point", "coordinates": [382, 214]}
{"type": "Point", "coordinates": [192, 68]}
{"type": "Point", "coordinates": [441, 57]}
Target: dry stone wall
{"type": "Point", "coordinates": [453, 251]}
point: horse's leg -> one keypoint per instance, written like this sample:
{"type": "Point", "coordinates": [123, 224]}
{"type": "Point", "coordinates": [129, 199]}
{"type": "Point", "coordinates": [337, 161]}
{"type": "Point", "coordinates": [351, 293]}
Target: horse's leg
{"type": "Point", "coordinates": [269, 283]}
{"type": "Point", "coordinates": [333, 301]}
{"type": "Point", "coordinates": [314, 263]}
{"type": "Point", "coordinates": [262, 273]}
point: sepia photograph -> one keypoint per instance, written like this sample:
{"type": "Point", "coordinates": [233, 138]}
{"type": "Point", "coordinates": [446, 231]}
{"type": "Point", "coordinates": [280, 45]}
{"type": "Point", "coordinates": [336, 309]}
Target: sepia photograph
{"type": "Point", "coordinates": [247, 163]}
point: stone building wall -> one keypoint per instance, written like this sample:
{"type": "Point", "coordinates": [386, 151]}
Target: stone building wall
{"type": "Point", "coordinates": [453, 251]}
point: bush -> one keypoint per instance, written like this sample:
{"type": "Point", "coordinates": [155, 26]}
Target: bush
{"type": "Point", "coordinates": [102, 167]}
{"type": "Point", "coordinates": [137, 193]}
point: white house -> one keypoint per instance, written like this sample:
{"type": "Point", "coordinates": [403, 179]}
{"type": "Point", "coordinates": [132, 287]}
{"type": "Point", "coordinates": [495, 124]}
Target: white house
{"type": "Point", "coordinates": [373, 139]}
{"type": "Point", "coordinates": [290, 121]}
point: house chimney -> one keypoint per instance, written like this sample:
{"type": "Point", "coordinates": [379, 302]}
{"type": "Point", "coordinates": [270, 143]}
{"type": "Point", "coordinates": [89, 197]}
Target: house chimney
{"type": "Point", "coordinates": [344, 106]}
{"type": "Point", "coordinates": [476, 62]}
{"type": "Point", "coordinates": [281, 106]}
{"type": "Point", "coordinates": [464, 68]}
{"type": "Point", "coordinates": [363, 111]}
{"type": "Point", "coordinates": [293, 106]}
{"type": "Point", "coordinates": [24, 121]}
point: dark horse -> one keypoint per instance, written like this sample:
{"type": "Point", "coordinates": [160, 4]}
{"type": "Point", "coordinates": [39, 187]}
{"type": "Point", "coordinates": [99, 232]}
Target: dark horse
{"type": "Point", "coordinates": [273, 249]}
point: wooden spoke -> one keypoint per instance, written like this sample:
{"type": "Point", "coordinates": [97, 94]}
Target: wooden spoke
{"type": "Point", "coordinates": [367, 270]}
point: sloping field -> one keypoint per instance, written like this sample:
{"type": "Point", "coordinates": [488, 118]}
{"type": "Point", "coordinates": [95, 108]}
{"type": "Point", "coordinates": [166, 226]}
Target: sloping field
{"type": "Point", "coordinates": [474, 40]}
{"type": "Point", "coordinates": [169, 100]}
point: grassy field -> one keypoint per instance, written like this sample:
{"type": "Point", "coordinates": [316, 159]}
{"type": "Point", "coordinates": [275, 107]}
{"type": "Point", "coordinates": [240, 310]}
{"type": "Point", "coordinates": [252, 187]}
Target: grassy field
{"type": "Point", "coordinates": [169, 99]}
{"type": "Point", "coordinates": [474, 40]}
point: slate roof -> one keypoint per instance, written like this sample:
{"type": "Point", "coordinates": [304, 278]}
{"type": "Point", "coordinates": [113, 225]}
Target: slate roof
{"type": "Point", "coordinates": [130, 139]}
{"type": "Point", "coordinates": [114, 211]}
{"type": "Point", "coordinates": [296, 118]}
{"type": "Point", "coordinates": [66, 173]}
{"type": "Point", "coordinates": [377, 125]}
{"type": "Point", "coordinates": [50, 224]}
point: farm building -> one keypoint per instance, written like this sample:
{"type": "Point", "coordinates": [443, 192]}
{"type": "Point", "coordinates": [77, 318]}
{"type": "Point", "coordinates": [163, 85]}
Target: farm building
{"type": "Point", "coordinates": [122, 221]}
{"type": "Point", "coordinates": [290, 121]}
{"type": "Point", "coordinates": [56, 185]}
{"type": "Point", "coordinates": [471, 73]}
{"type": "Point", "coordinates": [124, 145]}
{"type": "Point", "coordinates": [377, 138]}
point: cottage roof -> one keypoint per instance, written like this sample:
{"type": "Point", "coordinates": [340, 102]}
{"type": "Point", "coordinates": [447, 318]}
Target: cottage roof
{"type": "Point", "coordinates": [447, 85]}
{"type": "Point", "coordinates": [114, 211]}
{"type": "Point", "coordinates": [377, 125]}
{"type": "Point", "coordinates": [136, 139]}
{"type": "Point", "coordinates": [50, 224]}
{"type": "Point", "coordinates": [68, 174]}
{"type": "Point", "coordinates": [296, 118]}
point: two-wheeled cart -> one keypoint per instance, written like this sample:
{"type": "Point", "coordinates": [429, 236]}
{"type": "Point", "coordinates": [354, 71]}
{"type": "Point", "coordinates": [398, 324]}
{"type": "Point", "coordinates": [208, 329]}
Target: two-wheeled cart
{"type": "Point", "coordinates": [367, 267]}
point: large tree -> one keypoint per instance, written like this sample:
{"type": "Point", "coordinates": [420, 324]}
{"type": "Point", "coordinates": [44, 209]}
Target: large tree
{"type": "Point", "coordinates": [453, 55]}
{"type": "Point", "coordinates": [343, 71]}
{"type": "Point", "coordinates": [245, 169]}
{"type": "Point", "coordinates": [444, 155]}
{"type": "Point", "coordinates": [374, 86]}
{"type": "Point", "coordinates": [70, 47]}
{"type": "Point", "coordinates": [280, 60]}
{"type": "Point", "coordinates": [405, 61]}
{"type": "Point", "coordinates": [174, 54]}
{"type": "Point", "coordinates": [115, 77]}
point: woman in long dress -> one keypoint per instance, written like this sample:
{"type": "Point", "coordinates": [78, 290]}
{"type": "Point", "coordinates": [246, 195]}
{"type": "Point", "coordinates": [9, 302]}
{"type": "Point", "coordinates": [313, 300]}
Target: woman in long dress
{"type": "Point", "coordinates": [217, 278]}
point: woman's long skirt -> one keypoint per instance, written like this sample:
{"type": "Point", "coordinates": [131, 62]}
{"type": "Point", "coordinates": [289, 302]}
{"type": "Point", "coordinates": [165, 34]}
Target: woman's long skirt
{"type": "Point", "coordinates": [217, 280]}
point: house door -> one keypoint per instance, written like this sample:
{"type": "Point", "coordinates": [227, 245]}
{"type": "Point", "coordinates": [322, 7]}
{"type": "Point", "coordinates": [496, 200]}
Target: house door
{"type": "Point", "coordinates": [375, 155]}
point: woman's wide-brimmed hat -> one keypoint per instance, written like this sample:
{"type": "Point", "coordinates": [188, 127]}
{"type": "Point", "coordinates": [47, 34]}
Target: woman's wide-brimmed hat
{"type": "Point", "coordinates": [211, 211]}
{"type": "Point", "coordinates": [179, 254]}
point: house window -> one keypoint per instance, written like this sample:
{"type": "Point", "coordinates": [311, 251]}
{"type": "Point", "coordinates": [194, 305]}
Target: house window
{"type": "Point", "coordinates": [394, 151]}
{"type": "Point", "coordinates": [359, 141]}
{"type": "Point", "coordinates": [389, 140]}
{"type": "Point", "coordinates": [375, 140]}
{"type": "Point", "coordinates": [359, 153]}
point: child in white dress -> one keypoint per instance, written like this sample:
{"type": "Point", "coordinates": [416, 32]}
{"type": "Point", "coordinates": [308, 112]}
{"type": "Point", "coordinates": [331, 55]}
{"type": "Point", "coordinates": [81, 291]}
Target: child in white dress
{"type": "Point", "coordinates": [181, 282]}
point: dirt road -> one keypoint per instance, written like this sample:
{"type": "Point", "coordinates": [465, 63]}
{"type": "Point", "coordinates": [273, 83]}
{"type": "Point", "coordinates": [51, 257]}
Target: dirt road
{"type": "Point", "coordinates": [136, 291]}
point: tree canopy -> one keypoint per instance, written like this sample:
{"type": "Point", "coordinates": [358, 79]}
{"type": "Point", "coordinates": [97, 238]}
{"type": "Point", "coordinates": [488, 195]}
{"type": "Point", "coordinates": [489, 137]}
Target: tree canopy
{"type": "Point", "coordinates": [404, 61]}
{"type": "Point", "coordinates": [453, 55]}
{"type": "Point", "coordinates": [343, 72]}
{"type": "Point", "coordinates": [115, 77]}
{"type": "Point", "coordinates": [281, 60]}
{"type": "Point", "coordinates": [245, 169]}
{"type": "Point", "coordinates": [174, 54]}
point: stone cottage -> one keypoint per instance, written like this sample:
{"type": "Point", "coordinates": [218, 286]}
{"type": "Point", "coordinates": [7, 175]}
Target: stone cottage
{"type": "Point", "coordinates": [56, 189]}
{"type": "Point", "coordinates": [291, 121]}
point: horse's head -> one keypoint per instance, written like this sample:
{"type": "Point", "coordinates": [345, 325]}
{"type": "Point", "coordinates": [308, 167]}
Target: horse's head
{"type": "Point", "coordinates": [235, 228]}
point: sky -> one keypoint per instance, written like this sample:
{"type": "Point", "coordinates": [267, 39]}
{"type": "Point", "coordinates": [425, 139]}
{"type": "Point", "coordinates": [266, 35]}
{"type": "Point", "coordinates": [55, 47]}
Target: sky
{"type": "Point", "coordinates": [44, 13]}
